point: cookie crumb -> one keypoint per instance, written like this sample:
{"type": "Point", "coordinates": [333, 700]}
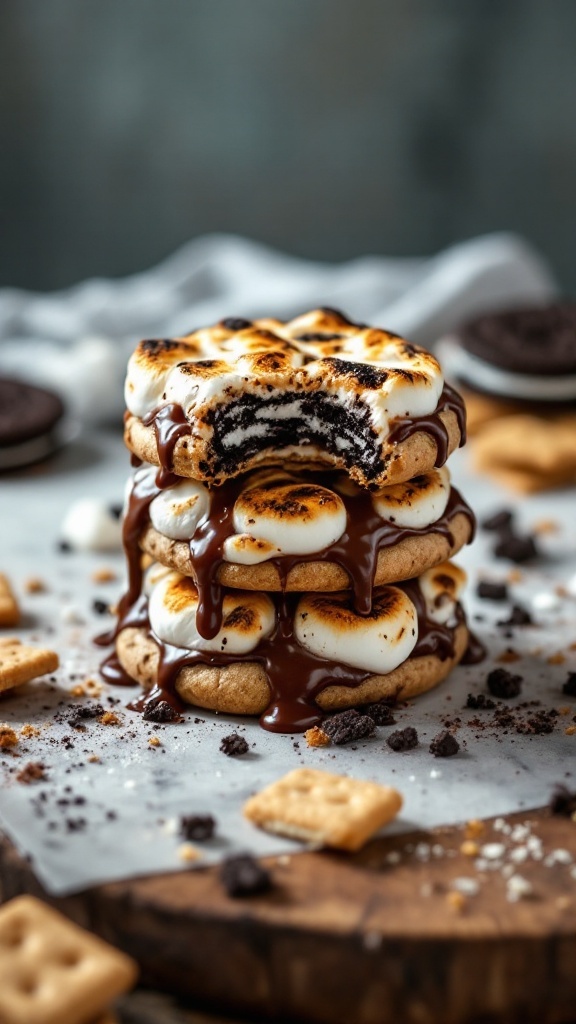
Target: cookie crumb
{"type": "Point", "coordinates": [403, 739]}
{"type": "Point", "coordinates": [556, 659]}
{"type": "Point", "coordinates": [188, 853]}
{"type": "Point", "coordinates": [110, 718]}
{"type": "Point", "coordinates": [35, 585]}
{"type": "Point", "coordinates": [154, 742]}
{"type": "Point", "coordinates": [569, 687]}
{"type": "Point", "coordinates": [474, 828]}
{"type": "Point", "coordinates": [348, 726]}
{"type": "Point", "coordinates": [563, 802]}
{"type": "Point", "coordinates": [518, 617]}
{"type": "Point", "coordinates": [29, 731]}
{"type": "Point", "coordinates": [8, 737]}
{"type": "Point", "coordinates": [34, 771]}
{"type": "Point", "coordinates": [444, 744]}
{"type": "Point", "coordinates": [492, 591]}
{"type": "Point", "coordinates": [197, 827]}
{"type": "Point", "coordinates": [508, 656]}
{"type": "Point", "coordinates": [242, 875]}
{"type": "Point", "coordinates": [316, 737]}
{"type": "Point", "coordinates": [504, 684]}
{"type": "Point", "coordinates": [480, 702]}
{"type": "Point", "coordinates": [234, 745]}
{"type": "Point", "coordinates": [103, 575]}
{"type": "Point", "coordinates": [469, 848]}
{"type": "Point", "coordinates": [456, 901]}
{"type": "Point", "coordinates": [161, 712]}
{"type": "Point", "coordinates": [381, 714]}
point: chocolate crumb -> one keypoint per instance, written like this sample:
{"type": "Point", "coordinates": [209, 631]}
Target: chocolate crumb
{"type": "Point", "coordinates": [161, 712]}
{"type": "Point", "coordinates": [516, 548]}
{"type": "Point", "coordinates": [569, 687]}
{"type": "Point", "coordinates": [64, 546]}
{"type": "Point", "coordinates": [381, 714]}
{"type": "Point", "coordinates": [197, 827]}
{"type": "Point", "coordinates": [518, 617]}
{"type": "Point", "coordinates": [348, 726]}
{"type": "Point", "coordinates": [243, 875]}
{"type": "Point", "coordinates": [498, 521]}
{"type": "Point", "coordinates": [116, 511]}
{"type": "Point", "coordinates": [480, 702]}
{"type": "Point", "coordinates": [563, 802]}
{"type": "Point", "coordinates": [492, 591]}
{"type": "Point", "coordinates": [503, 683]}
{"type": "Point", "coordinates": [444, 744]}
{"type": "Point", "coordinates": [403, 739]}
{"type": "Point", "coordinates": [34, 771]}
{"type": "Point", "coordinates": [100, 607]}
{"type": "Point", "coordinates": [234, 745]}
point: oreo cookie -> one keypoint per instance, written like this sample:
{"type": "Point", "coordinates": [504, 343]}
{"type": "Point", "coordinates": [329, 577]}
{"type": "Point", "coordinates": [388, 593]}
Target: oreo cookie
{"type": "Point", "coordinates": [526, 355]}
{"type": "Point", "coordinates": [29, 418]}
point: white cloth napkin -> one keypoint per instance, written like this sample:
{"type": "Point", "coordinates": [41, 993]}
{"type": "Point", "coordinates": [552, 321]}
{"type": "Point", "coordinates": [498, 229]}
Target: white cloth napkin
{"type": "Point", "coordinates": [78, 340]}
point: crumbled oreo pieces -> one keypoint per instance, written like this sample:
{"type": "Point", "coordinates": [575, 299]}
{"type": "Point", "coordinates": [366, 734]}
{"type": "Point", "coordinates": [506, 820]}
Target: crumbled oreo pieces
{"type": "Point", "coordinates": [563, 802]}
{"type": "Point", "coordinates": [569, 687]}
{"type": "Point", "coordinates": [197, 828]}
{"type": "Point", "coordinates": [516, 548]}
{"type": "Point", "coordinates": [480, 702]}
{"type": "Point", "coordinates": [518, 617]}
{"type": "Point", "coordinates": [381, 714]}
{"type": "Point", "coordinates": [348, 726]}
{"type": "Point", "coordinates": [242, 875]}
{"type": "Point", "coordinates": [444, 744]}
{"type": "Point", "coordinates": [403, 739]}
{"type": "Point", "coordinates": [85, 713]}
{"type": "Point", "coordinates": [504, 684]}
{"type": "Point", "coordinates": [492, 591]}
{"type": "Point", "coordinates": [160, 713]}
{"type": "Point", "coordinates": [234, 745]}
{"type": "Point", "coordinates": [100, 607]}
{"type": "Point", "coordinates": [498, 521]}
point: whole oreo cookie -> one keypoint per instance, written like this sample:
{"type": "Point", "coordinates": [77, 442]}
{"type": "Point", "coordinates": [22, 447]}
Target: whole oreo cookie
{"type": "Point", "coordinates": [528, 341]}
{"type": "Point", "coordinates": [28, 417]}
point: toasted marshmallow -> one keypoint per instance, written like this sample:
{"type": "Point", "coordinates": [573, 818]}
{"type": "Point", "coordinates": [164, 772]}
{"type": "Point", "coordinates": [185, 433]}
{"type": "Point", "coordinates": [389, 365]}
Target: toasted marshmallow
{"type": "Point", "coordinates": [327, 626]}
{"type": "Point", "coordinates": [149, 369]}
{"type": "Point", "coordinates": [177, 511]}
{"type": "Point", "coordinates": [418, 502]}
{"type": "Point", "coordinates": [90, 525]}
{"type": "Point", "coordinates": [441, 588]}
{"type": "Point", "coordinates": [284, 518]}
{"type": "Point", "coordinates": [248, 617]}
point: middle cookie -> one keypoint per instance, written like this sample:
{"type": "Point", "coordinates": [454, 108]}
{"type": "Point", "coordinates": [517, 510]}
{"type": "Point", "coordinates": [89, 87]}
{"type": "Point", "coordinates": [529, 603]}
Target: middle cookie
{"type": "Point", "coordinates": [274, 530]}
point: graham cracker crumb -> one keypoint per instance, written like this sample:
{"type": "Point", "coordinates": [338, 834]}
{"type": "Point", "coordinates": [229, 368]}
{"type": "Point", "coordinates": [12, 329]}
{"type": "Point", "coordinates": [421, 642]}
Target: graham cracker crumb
{"type": "Point", "coordinates": [514, 576]}
{"type": "Point", "coordinates": [93, 687]}
{"type": "Point", "coordinates": [78, 690]}
{"type": "Point", "coordinates": [103, 576]}
{"type": "Point", "coordinates": [93, 759]}
{"type": "Point", "coordinates": [556, 659]}
{"type": "Point", "coordinates": [110, 718]}
{"type": "Point", "coordinates": [29, 731]}
{"type": "Point", "coordinates": [456, 901]}
{"type": "Point", "coordinates": [34, 771]}
{"type": "Point", "coordinates": [188, 853]}
{"type": "Point", "coordinates": [154, 741]}
{"type": "Point", "coordinates": [35, 585]}
{"type": "Point", "coordinates": [316, 737]}
{"type": "Point", "coordinates": [474, 828]}
{"type": "Point", "coordinates": [508, 656]}
{"type": "Point", "coordinates": [543, 526]}
{"type": "Point", "coordinates": [571, 730]}
{"type": "Point", "coordinates": [8, 737]}
{"type": "Point", "coordinates": [469, 848]}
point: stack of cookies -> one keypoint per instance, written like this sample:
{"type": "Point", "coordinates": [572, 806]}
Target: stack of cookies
{"type": "Point", "coordinates": [289, 521]}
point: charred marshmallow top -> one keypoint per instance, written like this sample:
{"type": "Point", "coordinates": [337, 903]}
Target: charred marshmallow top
{"type": "Point", "coordinates": [279, 513]}
{"type": "Point", "coordinates": [315, 385]}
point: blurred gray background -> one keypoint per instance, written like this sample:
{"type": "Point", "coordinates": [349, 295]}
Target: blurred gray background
{"type": "Point", "coordinates": [329, 128]}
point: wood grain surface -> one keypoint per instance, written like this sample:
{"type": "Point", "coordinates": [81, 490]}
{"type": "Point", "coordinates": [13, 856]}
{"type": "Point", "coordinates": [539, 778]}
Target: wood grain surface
{"type": "Point", "coordinates": [353, 939]}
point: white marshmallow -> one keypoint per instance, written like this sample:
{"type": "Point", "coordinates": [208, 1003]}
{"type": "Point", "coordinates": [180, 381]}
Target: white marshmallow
{"type": "Point", "coordinates": [89, 525]}
{"type": "Point", "coordinates": [248, 617]}
{"type": "Point", "coordinates": [327, 626]}
{"type": "Point", "coordinates": [417, 503]}
{"type": "Point", "coordinates": [177, 511]}
{"type": "Point", "coordinates": [441, 587]}
{"type": "Point", "coordinates": [288, 517]}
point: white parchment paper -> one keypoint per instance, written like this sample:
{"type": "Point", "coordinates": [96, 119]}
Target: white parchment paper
{"type": "Point", "coordinates": [117, 817]}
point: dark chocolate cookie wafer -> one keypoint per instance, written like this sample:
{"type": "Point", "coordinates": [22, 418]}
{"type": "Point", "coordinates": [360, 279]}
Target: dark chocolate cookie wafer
{"type": "Point", "coordinates": [29, 416]}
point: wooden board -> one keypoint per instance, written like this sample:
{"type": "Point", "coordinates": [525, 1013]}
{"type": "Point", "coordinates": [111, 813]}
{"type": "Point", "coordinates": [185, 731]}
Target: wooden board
{"type": "Point", "coordinates": [352, 940]}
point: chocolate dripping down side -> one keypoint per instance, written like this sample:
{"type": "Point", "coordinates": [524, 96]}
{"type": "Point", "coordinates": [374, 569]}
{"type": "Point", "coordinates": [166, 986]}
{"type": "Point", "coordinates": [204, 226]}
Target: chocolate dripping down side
{"type": "Point", "coordinates": [356, 551]}
{"type": "Point", "coordinates": [170, 424]}
{"type": "Point", "coordinates": [295, 676]}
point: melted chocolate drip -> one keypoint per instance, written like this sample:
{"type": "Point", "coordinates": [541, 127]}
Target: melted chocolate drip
{"type": "Point", "coordinates": [475, 651]}
{"type": "Point", "coordinates": [170, 424]}
{"type": "Point", "coordinates": [356, 551]}
{"type": "Point", "coordinates": [433, 425]}
{"type": "Point", "coordinates": [295, 675]}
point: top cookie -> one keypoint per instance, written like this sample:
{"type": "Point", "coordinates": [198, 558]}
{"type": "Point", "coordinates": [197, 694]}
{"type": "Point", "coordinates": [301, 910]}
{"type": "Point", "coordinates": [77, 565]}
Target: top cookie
{"type": "Point", "coordinates": [317, 389]}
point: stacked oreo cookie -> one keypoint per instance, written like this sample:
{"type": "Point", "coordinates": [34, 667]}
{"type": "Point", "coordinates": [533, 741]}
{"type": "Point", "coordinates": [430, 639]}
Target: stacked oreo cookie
{"type": "Point", "coordinates": [295, 517]}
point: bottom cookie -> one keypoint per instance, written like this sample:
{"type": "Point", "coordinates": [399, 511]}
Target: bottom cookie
{"type": "Point", "coordinates": [242, 688]}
